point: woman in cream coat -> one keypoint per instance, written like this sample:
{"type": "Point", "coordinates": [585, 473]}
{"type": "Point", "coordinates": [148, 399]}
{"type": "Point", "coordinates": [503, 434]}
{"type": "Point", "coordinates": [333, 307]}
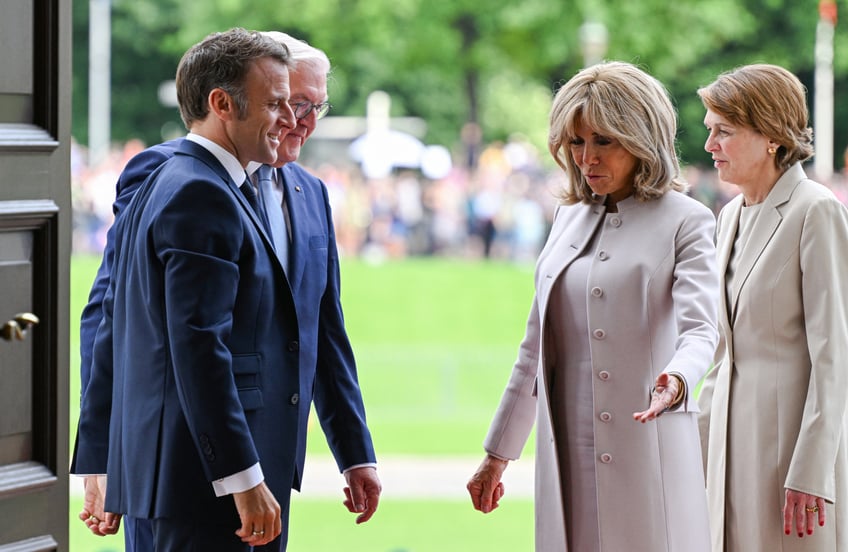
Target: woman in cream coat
{"type": "Point", "coordinates": [774, 408]}
{"type": "Point", "coordinates": [626, 295]}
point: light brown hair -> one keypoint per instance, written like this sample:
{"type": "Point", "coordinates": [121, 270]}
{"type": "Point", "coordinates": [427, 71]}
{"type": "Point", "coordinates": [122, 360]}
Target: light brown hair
{"type": "Point", "coordinates": [771, 101]}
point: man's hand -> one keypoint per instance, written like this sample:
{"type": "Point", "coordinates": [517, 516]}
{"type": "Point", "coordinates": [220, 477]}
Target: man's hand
{"type": "Point", "coordinates": [260, 514]}
{"type": "Point", "coordinates": [98, 521]}
{"type": "Point", "coordinates": [362, 494]}
{"type": "Point", "coordinates": [485, 486]}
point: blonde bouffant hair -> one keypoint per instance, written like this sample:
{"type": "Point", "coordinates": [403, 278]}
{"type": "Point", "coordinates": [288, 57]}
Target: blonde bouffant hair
{"type": "Point", "coordinates": [620, 101]}
{"type": "Point", "coordinates": [771, 101]}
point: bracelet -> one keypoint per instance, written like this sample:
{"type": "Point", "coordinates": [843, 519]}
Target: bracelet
{"type": "Point", "coordinates": [681, 392]}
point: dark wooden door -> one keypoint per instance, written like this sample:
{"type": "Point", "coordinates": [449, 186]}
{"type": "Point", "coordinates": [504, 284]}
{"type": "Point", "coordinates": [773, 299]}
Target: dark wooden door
{"type": "Point", "coordinates": [35, 238]}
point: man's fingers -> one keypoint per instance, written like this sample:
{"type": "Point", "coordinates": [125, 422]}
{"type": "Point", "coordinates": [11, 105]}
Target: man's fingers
{"type": "Point", "coordinates": [357, 496]}
{"type": "Point", "coordinates": [259, 512]}
{"type": "Point", "coordinates": [348, 501]}
{"type": "Point", "coordinates": [366, 515]}
{"type": "Point", "coordinates": [372, 501]}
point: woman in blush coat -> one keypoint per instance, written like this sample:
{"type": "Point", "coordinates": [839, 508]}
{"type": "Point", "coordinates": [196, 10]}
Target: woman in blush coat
{"type": "Point", "coordinates": [621, 329]}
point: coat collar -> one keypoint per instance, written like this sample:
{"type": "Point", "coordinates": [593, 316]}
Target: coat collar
{"type": "Point", "coordinates": [765, 226]}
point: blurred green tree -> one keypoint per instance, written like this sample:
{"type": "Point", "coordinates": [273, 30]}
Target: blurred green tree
{"type": "Point", "coordinates": [495, 63]}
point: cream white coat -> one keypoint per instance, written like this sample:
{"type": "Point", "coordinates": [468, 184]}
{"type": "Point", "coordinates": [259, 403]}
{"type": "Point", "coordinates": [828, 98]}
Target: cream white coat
{"type": "Point", "coordinates": [652, 300]}
{"type": "Point", "coordinates": [781, 378]}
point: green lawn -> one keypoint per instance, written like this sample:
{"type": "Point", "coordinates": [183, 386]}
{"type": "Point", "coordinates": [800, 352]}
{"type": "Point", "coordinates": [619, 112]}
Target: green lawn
{"type": "Point", "coordinates": [434, 340]}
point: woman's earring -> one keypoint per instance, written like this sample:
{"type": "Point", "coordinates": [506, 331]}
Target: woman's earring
{"type": "Point", "coordinates": [772, 151]}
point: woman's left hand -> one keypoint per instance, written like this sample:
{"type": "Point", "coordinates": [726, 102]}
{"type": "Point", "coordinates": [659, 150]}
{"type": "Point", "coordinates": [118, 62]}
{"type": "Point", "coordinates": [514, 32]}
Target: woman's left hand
{"type": "Point", "coordinates": [662, 397]}
{"type": "Point", "coordinates": [805, 509]}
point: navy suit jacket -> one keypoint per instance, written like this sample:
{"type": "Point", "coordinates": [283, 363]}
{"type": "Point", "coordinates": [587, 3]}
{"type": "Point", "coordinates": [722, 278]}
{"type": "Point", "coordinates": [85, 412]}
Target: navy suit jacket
{"type": "Point", "coordinates": [216, 356]}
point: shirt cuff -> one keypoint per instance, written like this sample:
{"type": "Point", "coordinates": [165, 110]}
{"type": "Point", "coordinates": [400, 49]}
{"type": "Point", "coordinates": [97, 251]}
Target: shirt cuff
{"type": "Point", "coordinates": [239, 481]}
{"type": "Point", "coordinates": [355, 466]}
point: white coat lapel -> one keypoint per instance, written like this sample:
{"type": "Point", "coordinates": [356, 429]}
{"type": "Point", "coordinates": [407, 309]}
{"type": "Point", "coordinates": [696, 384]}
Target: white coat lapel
{"type": "Point", "coordinates": [579, 224]}
{"type": "Point", "coordinates": [765, 227]}
{"type": "Point", "coordinates": [728, 226]}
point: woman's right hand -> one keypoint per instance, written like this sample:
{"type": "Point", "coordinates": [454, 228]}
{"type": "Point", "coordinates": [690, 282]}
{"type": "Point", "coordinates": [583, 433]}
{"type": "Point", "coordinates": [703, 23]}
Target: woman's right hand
{"type": "Point", "coordinates": [485, 486]}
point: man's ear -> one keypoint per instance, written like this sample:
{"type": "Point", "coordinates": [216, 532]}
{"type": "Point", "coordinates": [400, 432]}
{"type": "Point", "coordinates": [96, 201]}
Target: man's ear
{"type": "Point", "coordinates": [222, 104]}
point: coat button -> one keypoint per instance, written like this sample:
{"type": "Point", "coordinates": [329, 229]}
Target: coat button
{"type": "Point", "coordinates": [604, 375]}
{"type": "Point", "coordinates": [605, 416]}
{"type": "Point", "coordinates": [599, 334]}
{"type": "Point", "coordinates": [602, 255]}
{"type": "Point", "coordinates": [295, 399]}
{"type": "Point", "coordinates": [597, 292]}
{"type": "Point", "coordinates": [293, 346]}
{"type": "Point", "coordinates": [606, 458]}
{"type": "Point", "coordinates": [615, 221]}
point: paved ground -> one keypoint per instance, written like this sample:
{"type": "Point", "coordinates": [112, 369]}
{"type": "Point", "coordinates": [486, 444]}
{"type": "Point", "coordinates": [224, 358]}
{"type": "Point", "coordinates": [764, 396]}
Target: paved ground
{"type": "Point", "coordinates": [405, 477]}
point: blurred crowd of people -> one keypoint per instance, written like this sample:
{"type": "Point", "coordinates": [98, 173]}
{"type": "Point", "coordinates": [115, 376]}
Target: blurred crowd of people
{"type": "Point", "coordinates": [500, 209]}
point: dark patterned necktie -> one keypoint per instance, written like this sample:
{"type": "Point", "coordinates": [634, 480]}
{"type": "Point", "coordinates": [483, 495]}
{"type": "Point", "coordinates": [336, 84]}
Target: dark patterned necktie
{"type": "Point", "coordinates": [250, 194]}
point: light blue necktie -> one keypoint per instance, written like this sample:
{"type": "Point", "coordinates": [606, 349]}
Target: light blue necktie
{"type": "Point", "coordinates": [274, 214]}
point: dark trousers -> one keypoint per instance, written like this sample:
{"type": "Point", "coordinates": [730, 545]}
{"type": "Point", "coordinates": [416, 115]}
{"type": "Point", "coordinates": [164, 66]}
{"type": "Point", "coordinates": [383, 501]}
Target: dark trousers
{"type": "Point", "coordinates": [138, 534]}
{"type": "Point", "coordinates": [168, 535]}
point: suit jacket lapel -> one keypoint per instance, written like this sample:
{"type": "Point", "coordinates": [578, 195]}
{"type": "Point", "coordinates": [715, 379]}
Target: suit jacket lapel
{"type": "Point", "coordinates": [765, 227]}
{"type": "Point", "coordinates": [187, 147]}
{"type": "Point", "coordinates": [294, 201]}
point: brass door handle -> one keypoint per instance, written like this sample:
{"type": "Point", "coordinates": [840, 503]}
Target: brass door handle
{"type": "Point", "coordinates": [15, 329]}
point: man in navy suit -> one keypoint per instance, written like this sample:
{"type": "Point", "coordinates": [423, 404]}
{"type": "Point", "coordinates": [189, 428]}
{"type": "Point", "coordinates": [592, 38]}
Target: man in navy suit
{"type": "Point", "coordinates": [294, 333]}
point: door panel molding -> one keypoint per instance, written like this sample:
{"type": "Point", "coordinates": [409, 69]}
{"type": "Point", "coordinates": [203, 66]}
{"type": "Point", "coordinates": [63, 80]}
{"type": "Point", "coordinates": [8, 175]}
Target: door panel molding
{"type": "Point", "coordinates": [24, 477]}
{"type": "Point", "coordinates": [37, 544]}
{"type": "Point", "coordinates": [25, 137]}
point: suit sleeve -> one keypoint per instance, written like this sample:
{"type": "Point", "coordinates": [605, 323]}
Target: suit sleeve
{"type": "Point", "coordinates": [136, 171]}
{"type": "Point", "coordinates": [198, 238]}
{"type": "Point", "coordinates": [824, 266]}
{"type": "Point", "coordinates": [91, 448]}
{"type": "Point", "coordinates": [337, 395]}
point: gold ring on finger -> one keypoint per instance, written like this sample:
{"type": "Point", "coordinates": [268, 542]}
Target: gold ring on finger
{"type": "Point", "coordinates": [812, 509]}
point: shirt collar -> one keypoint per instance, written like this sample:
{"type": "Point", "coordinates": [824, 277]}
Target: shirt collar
{"type": "Point", "coordinates": [252, 167]}
{"type": "Point", "coordinates": [227, 159]}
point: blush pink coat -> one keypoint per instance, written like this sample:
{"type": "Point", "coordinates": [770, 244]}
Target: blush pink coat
{"type": "Point", "coordinates": [652, 300]}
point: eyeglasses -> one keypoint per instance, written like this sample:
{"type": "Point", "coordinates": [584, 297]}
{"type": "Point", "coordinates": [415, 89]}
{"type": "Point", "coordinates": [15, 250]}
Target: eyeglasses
{"type": "Point", "coordinates": [303, 109]}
